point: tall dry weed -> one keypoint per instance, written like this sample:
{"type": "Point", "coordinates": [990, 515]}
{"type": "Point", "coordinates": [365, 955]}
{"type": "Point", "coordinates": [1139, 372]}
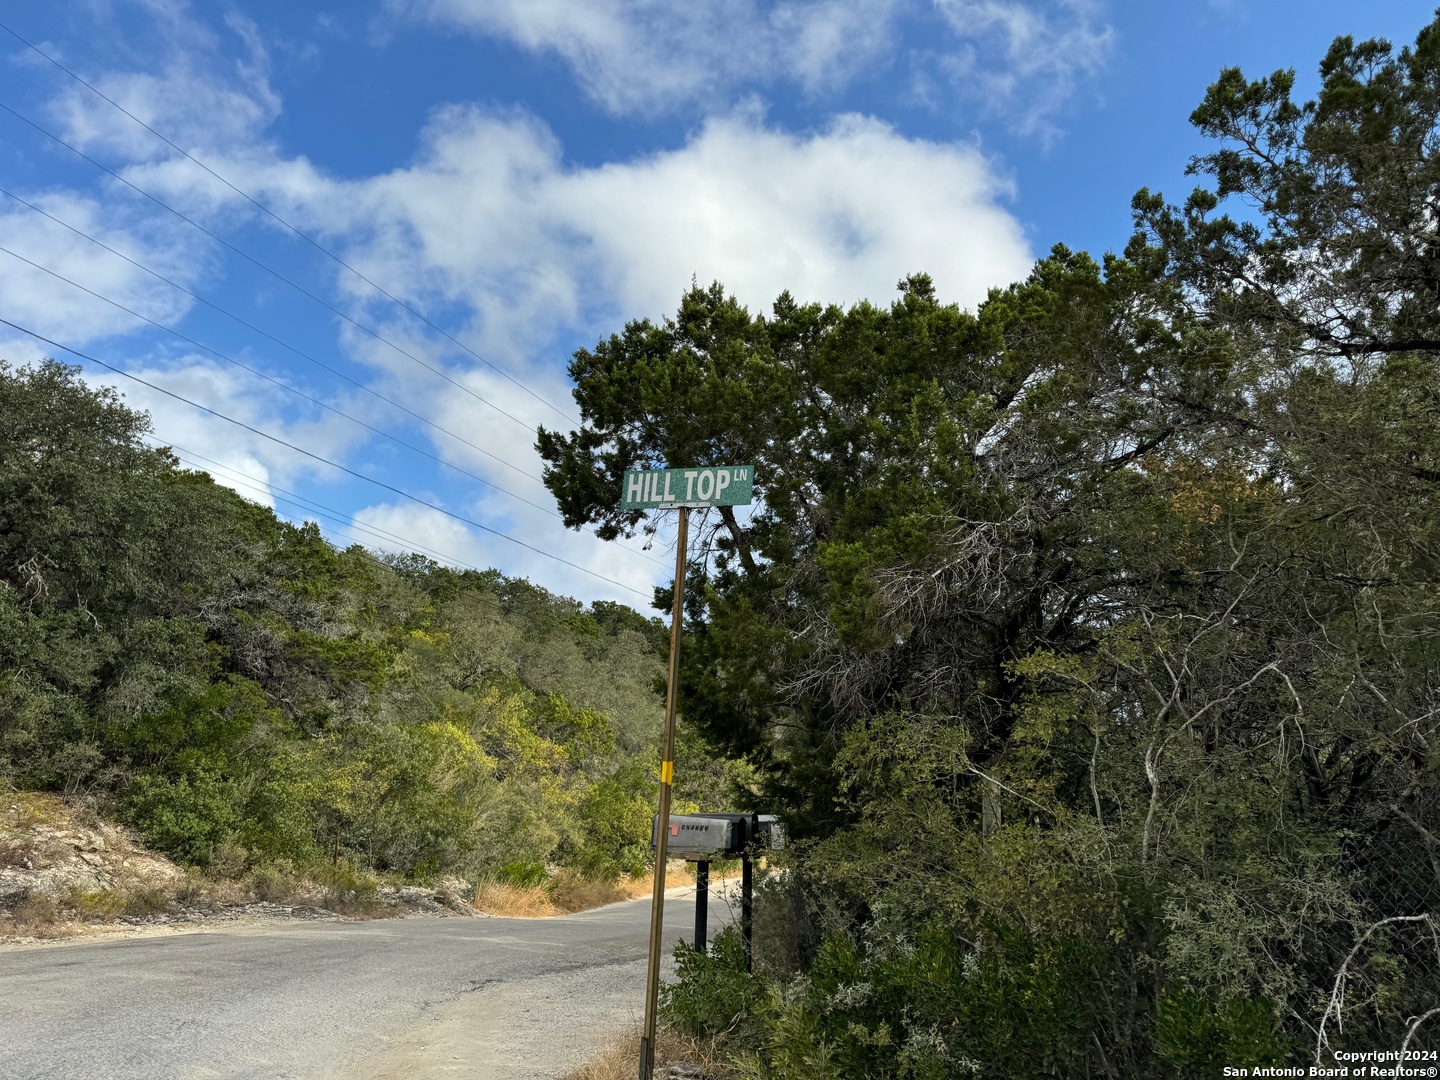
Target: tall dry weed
{"type": "Point", "coordinates": [568, 892]}
{"type": "Point", "coordinates": [619, 1059]}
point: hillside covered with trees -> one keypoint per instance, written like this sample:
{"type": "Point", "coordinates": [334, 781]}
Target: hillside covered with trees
{"type": "Point", "coordinates": [1090, 640]}
{"type": "Point", "coordinates": [236, 688]}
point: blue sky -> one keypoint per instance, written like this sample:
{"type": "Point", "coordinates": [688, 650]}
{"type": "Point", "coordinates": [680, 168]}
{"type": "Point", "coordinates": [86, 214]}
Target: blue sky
{"type": "Point", "coordinates": [529, 174]}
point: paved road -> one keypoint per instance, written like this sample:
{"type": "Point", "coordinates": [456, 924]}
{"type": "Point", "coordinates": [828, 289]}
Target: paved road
{"type": "Point", "coordinates": [406, 998]}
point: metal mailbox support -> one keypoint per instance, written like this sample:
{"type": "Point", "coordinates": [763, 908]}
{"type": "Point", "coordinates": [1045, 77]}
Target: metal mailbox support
{"type": "Point", "coordinates": [702, 902]}
{"type": "Point", "coordinates": [747, 909]}
{"type": "Point", "coordinates": [701, 838]}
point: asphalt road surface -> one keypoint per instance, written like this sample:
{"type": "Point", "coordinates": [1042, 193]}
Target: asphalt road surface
{"type": "Point", "coordinates": [403, 999]}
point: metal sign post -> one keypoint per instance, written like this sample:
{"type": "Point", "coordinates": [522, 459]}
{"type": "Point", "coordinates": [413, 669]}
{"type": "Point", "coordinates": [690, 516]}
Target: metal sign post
{"type": "Point", "coordinates": [667, 777]}
{"type": "Point", "coordinates": [674, 489]}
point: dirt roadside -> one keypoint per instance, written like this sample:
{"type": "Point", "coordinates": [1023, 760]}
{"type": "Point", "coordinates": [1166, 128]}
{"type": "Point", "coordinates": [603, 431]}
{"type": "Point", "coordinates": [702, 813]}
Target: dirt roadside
{"type": "Point", "coordinates": [536, 1029]}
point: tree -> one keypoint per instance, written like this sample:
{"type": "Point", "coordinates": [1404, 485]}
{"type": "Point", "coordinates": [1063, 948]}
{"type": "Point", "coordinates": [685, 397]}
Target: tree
{"type": "Point", "coordinates": [1091, 633]}
{"type": "Point", "coordinates": [226, 682]}
{"type": "Point", "coordinates": [1337, 250]}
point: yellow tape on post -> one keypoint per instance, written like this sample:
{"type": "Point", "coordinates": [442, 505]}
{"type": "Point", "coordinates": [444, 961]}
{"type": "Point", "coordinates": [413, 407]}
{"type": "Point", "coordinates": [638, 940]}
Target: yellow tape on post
{"type": "Point", "coordinates": [667, 772]}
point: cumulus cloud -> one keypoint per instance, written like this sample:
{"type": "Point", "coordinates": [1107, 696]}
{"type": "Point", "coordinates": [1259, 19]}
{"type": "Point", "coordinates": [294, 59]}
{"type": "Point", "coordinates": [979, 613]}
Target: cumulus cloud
{"type": "Point", "coordinates": [537, 256]}
{"type": "Point", "coordinates": [49, 306]}
{"type": "Point", "coordinates": [490, 213]}
{"type": "Point", "coordinates": [1021, 58]}
{"type": "Point", "coordinates": [252, 401]}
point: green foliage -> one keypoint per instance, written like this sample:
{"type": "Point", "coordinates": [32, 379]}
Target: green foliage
{"type": "Point", "coordinates": [919, 1006]}
{"type": "Point", "coordinates": [185, 816]}
{"type": "Point", "coordinates": [244, 694]}
{"type": "Point", "coordinates": [1092, 634]}
{"type": "Point", "coordinates": [616, 815]}
{"type": "Point", "coordinates": [1200, 1038]}
{"type": "Point", "coordinates": [200, 782]}
{"type": "Point", "coordinates": [713, 991]}
{"type": "Point", "coordinates": [523, 875]}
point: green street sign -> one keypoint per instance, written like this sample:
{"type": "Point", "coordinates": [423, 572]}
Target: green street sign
{"type": "Point", "coordinates": [667, 489]}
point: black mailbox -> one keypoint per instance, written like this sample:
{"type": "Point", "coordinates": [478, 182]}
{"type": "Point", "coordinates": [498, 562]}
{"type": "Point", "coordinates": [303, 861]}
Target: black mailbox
{"type": "Point", "coordinates": [702, 837]}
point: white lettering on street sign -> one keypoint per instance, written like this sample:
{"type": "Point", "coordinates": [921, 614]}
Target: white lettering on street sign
{"type": "Point", "coordinates": [667, 489]}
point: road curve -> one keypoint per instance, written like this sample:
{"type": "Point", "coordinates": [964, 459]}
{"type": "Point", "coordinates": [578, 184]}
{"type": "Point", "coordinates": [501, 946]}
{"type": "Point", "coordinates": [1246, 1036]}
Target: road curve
{"type": "Point", "coordinates": [412, 998]}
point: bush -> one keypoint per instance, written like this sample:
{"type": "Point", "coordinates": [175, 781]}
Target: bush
{"type": "Point", "coordinates": [524, 875]}
{"type": "Point", "coordinates": [1200, 1037]}
{"type": "Point", "coordinates": [228, 859]}
{"type": "Point", "coordinates": [713, 992]}
{"type": "Point", "coordinates": [275, 882]}
{"type": "Point", "coordinates": [348, 888]}
{"type": "Point", "coordinates": [913, 1007]}
{"type": "Point", "coordinates": [187, 817]}
{"type": "Point", "coordinates": [615, 820]}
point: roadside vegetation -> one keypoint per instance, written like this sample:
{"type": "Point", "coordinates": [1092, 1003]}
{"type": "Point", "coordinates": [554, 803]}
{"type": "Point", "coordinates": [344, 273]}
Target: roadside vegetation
{"type": "Point", "coordinates": [265, 708]}
{"type": "Point", "coordinates": [1090, 641]}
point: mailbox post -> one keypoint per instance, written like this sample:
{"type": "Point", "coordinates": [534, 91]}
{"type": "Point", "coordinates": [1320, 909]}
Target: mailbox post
{"type": "Point", "coordinates": [683, 490]}
{"type": "Point", "coordinates": [703, 837]}
{"type": "Point", "coordinates": [702, 903]}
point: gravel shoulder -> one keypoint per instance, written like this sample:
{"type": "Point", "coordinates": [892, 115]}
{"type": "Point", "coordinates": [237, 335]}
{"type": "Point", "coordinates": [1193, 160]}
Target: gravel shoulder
{"type": "Point", "coordinates": [535, 1029]}
{"type": "Point", "coordinates": [538, 1028]}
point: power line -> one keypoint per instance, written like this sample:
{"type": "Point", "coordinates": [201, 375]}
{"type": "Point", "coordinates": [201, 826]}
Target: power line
{"type": "Point", "coordinates": [302, 501]}
{"type": "Point", "coordinates": [316, 508]}
{"type": "Point", "coordinates": [312, 511]}
{"type": "Point", "coordinates": [260, 265]}
{"type": "Point", "coordinates": [323, 460]}
{"type": "Point", "coordinates": [264, 333]}
{"type": "Point", "coordinates": [280, 383]}
{"type": "Point", "coordinates": [277, 382]}
{"type": "Point", "coordinates": [276, 217]}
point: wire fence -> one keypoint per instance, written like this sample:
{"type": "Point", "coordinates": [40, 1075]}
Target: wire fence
{"type": "Point", "coordinates": [1384, 997]}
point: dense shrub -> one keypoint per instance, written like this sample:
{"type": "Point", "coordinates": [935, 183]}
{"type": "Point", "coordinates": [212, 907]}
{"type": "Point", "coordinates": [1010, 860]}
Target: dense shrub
{"type": "Point", "coordinates": [242, 692]}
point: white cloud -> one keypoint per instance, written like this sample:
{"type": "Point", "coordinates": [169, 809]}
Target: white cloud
{"type": "Point", "coordinates": [1020, 58]}
{"type": "Point", "coordinates": [1045, 54]}
{"type": "Point", "coordinates": [654, 55]}
{"type": "Point", "coordinates": [198, 96]}
{"type": "Point", "coordinates": [491, 215]}
{"type": "Point", "coordinates": [589, 568]}
{"type": "Point", "coordinates": [49, 306]}
{"type": "Point", "coordinates": [244, 398]}
{"type": "Point", "coordinates": [490, 220]}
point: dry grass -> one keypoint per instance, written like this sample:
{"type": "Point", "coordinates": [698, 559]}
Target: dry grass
{"type": "Point", "coordinates": [513, 901]}
{"type": "Point", "coordinates": [48, 917]}
{"type": "Point", "coordinates": [26, 809]}
{"type": "Point", "coordinates": [567, 893]}
{"type": "Point", "coordinates": [16, 852]}
{"type": "Point", "coordinates": [618, 1060]}
{"type": "Point", "coordinates": [38, 917]}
